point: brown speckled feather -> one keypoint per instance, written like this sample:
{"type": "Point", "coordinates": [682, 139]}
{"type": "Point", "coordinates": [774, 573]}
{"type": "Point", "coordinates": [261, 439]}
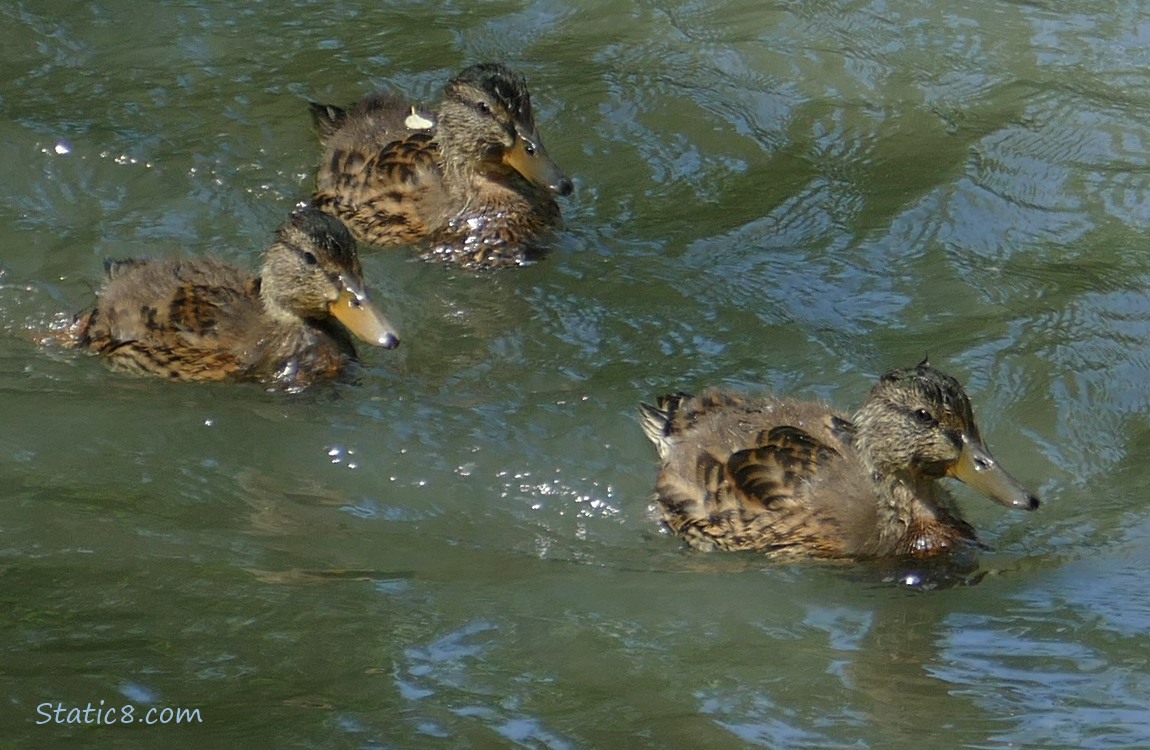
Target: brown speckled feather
{"type": "Point", "coordinates": [743, 497]}
{"type": "Point", "coordinates": [202, 320]}
{"type": "Point", "coordinates": [378, 176]}
{"type": "Point", "coordinates": [794, 479]}
{"type": "Point", "coordinates": [772, 472]}
{"type": "Point", "coordinates": [398, 175]}
{"type": "Point", "coordinates": [163, 318]}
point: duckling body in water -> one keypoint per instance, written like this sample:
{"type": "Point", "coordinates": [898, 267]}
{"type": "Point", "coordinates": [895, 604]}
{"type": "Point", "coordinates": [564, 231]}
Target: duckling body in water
{"type": "Point", "coordinates": [203, 320]}
{"type": "Point", "coordinates": [795, 479]}
{"type": "Point", "coordinates": [470, 182]}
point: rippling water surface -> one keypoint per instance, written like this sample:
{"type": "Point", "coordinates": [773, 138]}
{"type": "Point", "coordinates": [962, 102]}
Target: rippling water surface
{"type": "Point", "coordinates": [456, 550]}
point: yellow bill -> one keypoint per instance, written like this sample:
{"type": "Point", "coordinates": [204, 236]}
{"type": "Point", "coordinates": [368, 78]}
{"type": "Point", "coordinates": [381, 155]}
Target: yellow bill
{"type": "Point", "coordinates": [359, 315]}
{"type": "Point", "coordinates": [529, 158]}
{"type": "Point", "coordinates": [977, 468]}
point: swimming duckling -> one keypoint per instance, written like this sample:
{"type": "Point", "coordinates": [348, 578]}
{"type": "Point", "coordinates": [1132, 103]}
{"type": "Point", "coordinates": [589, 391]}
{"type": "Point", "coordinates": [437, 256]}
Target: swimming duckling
{"type": "Point", "coordinates": [795, 479]}
{"type": "Point", "coordinates": [471, 182]}
{"type": "Point", "coordinates": [203, 320]}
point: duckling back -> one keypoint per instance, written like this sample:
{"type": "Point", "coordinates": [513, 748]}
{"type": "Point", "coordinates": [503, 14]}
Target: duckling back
{"type": "Point", "coordinates": [373, 123]}
{"type": "Point", "coordinates": [167, 318]}
{"type": "Point", "coordinates": [747, 474]}
{"type": "Point", "coordinates": [379, 175]}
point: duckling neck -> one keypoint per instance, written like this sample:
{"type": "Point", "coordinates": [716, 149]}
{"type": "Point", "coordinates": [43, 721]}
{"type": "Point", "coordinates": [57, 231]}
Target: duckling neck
{"type": "Point", "coordinates": [456, 161]}
{"type": "Point", "coordinates": [287, 331]}
{"type": "Point", "coordinates": [271, 297]}
{"type": "Point", "coordinates": [294, 350]}
{"type": "Point", "coordinates": [456, 176]}
{"type": "Point", "coordinates": [471, 189]}
{"type": "Point", "coordinates": [471, 176]}
{"type": "Point", "coordinates": [898, 497]}
{"type": "Point", "coordinates": [914, 516]}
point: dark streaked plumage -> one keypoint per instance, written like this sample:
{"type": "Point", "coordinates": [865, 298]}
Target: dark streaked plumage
{"type": "Point", "coordinates": [471, 182]}
{"type": "Point", "coordinates": [203, 320]}
{"type": "Point", "coordinates": [794, 479]}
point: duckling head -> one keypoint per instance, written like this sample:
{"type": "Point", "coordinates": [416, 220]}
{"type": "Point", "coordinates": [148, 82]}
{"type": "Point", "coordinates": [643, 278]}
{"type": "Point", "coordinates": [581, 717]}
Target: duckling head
{"type": "Point", "coordinates": [918, 422]}
{"type": "Point", "coordinates": [312, 272]}
{"type": "Point", "coordinates": [486, 120]}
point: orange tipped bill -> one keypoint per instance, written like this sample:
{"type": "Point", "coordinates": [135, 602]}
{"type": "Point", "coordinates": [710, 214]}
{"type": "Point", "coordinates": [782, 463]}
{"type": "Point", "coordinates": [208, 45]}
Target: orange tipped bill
{"type": "Point", "coordinates": [529, 158]}
{"type": "Point", "coordinates": [976, 467]}
{"type": "Point", "coordinates": [360, 316]}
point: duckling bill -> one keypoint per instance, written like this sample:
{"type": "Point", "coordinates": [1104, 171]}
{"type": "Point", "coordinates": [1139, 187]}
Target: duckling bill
{"type": "Point", "coordinates": [795, 479]}
{"type": "Point", "coordinates": [203, 320]}
{"type": "Point", "coordinates": [471, 182]}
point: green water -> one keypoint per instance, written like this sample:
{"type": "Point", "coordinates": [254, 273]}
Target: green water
{"type": "Point", "coordinates": [456, 551]}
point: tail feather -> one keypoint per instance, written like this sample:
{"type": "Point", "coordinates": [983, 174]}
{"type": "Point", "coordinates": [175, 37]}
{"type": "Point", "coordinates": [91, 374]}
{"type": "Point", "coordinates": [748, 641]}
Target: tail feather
{"type": "Point", "coordinates": [656, 420]}
{"type": "Point", "coordinates": [327, 118]}
{"type": "Point", "coordinates": [113, 267]}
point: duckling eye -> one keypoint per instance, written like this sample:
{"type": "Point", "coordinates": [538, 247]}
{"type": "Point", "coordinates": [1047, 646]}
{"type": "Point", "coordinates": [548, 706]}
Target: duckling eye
{"type": "Point", "coordinates": [310, 258]}
{"type": "Point", "coordinates": [482, 108]}
{"type": "Point", "coordinates": [529, 149]}
{"type": "Point", "coordinates": [923, 416]}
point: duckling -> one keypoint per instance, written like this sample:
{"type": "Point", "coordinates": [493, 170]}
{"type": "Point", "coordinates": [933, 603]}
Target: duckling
{"type": "Point", "coordinates": [795, 479]}
{"type": "Point", "coordinates": [203, 320]}
{"type": "Point", "coordinates": [471, 182]}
